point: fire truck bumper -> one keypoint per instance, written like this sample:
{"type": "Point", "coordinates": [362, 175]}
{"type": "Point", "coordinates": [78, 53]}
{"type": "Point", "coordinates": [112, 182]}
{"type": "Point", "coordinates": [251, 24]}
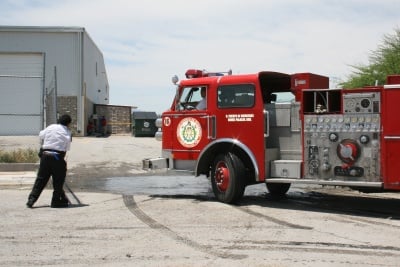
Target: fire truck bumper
{"type": "Point", "coordinates": [155, 164]}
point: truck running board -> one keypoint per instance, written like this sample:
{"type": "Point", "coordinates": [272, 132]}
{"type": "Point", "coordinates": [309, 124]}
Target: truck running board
{"type": "Point", "coordinates": [326, 182]}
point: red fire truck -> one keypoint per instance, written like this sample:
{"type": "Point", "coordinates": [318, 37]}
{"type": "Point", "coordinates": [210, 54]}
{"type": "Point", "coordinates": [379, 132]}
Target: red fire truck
{"type": "Point", "coordinates": [236, 130]}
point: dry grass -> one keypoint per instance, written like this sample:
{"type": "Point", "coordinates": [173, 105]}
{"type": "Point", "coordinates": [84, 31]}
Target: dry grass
{"type": "Point", "coordinates": [19, 156]}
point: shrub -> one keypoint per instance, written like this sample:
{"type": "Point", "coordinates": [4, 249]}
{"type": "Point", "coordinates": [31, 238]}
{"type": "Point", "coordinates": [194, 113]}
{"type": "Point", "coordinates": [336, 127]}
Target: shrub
{"type": "Point", "coordinates": [19, 156]}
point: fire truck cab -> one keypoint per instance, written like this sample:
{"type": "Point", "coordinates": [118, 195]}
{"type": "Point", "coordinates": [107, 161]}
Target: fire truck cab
{"type": "Point", "coordinates": [236, 130]}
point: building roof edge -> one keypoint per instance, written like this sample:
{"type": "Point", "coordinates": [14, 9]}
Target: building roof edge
{"type": "Point", "coordinates": [4, 28]}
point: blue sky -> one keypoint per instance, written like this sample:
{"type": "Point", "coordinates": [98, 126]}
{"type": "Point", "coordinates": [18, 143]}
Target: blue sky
{"type": "Point", "coordinates": [145, 43]}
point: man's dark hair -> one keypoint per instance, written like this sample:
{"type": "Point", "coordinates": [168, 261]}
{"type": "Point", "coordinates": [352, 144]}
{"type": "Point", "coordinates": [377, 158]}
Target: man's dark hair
{"type": "Point", "coordinates": [65, 119]}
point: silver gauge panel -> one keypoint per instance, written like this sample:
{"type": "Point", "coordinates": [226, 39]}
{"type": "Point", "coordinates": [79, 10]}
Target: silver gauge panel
{"type": "Point", "coordinates": [361, 103]}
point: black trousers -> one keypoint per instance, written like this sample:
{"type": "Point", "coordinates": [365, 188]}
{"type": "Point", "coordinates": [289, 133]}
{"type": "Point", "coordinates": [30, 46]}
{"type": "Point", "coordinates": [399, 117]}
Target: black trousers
{"type": "Point", "coordinates": [56, 167]}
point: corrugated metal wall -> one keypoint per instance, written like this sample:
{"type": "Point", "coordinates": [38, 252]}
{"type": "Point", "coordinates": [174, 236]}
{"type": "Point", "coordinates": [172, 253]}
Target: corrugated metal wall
{"type": "Point", "coordinates": [61, 49]}
{"type": "Point", "coordinates": [21, 89]}
{"type": "Point", "coordinates": [80, 65]}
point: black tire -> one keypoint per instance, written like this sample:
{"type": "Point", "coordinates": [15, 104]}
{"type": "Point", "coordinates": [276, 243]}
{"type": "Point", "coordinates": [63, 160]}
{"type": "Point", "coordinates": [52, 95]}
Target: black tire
{"type": "Point", "coordinates": [278, 189]}
{"type": "Point", "coordinates": [227, 178]}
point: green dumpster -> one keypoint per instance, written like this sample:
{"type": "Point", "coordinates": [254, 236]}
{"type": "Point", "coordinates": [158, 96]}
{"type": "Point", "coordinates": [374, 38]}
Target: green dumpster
{"type": "Point", "coordinates": [144, 123]}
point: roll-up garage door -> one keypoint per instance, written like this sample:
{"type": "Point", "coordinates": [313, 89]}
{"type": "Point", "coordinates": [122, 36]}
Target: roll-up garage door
{"type": "Point", "coordinates": [21, 87]}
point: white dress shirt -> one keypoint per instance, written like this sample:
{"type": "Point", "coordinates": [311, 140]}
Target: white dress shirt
{"type": "Point", "coordinates": [56, 137]}
{"type": "Point", "coordinates": [202, 104]}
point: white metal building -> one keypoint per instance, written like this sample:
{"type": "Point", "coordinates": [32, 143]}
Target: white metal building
{"type": "Point", "coordinates": [37, 60]}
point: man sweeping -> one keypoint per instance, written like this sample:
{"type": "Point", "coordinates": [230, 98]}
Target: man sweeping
{"type": "Point", "coordinates": [56, 141]}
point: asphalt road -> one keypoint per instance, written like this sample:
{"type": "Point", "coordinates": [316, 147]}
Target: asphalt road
{"type": "Point", "coordinates": [123, 216]}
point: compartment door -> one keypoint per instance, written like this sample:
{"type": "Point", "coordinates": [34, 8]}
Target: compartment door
{"type": "Point", "coordinates": [391, 138]}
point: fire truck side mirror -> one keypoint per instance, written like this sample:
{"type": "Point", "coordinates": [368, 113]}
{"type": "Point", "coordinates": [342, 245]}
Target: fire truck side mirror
{"type": "Point", "coordinates": [175, 79]}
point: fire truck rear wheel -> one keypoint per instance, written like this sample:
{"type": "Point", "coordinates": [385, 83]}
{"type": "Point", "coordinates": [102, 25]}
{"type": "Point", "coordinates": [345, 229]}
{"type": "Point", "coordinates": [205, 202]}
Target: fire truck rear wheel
{"type": "Point", "coordinates": [227, 179]}
{"type": "Point", "coordinates": [278, 189]}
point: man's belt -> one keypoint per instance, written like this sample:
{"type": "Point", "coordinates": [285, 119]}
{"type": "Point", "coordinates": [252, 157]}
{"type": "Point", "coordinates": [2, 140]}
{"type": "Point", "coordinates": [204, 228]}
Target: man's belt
{"type": "Point", "coordinates": [62, 153]}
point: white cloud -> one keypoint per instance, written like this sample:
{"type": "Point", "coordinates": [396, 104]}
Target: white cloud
{"type": "Point", "coordinates": [146, 42]}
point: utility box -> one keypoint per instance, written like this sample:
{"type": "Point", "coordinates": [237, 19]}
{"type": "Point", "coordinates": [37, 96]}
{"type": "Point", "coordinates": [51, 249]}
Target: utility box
{"type": "Point", "coordinates": [286, 168]}
{"type": "Point", "coordinates": [308, 80]}
{"type": "Point", "coordinates": [144, 124]}
{"type": "Point", "coordinates": [393, 79]}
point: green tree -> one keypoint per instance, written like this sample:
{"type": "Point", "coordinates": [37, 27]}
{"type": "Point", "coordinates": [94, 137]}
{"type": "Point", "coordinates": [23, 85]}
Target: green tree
{"type": "Point", "coordinates": [383, 61]}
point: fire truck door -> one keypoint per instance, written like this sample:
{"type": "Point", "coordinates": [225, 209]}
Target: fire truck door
{"type": "Point", "coordinates": [190, 124]}
{"type": "Point", "coordinates": [391, 138]}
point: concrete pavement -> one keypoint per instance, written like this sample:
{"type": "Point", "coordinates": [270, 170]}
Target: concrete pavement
{"type": "Point", "coordinates": [90, 155]}
{"type": "Point", "coordinates": [21, 179]}
{"type": "Point", "coordinates": [324, 228]}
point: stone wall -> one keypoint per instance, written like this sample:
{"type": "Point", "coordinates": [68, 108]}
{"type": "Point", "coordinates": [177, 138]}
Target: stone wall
{"type": "Point", "coordinates": [69, 105]}
{"type": "Point", "coordinates": [119, 118]}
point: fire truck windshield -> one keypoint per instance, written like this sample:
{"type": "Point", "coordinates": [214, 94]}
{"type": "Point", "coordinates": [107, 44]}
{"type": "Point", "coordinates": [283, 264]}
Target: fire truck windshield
{"type": "Point", "coordinates": [190, 97]}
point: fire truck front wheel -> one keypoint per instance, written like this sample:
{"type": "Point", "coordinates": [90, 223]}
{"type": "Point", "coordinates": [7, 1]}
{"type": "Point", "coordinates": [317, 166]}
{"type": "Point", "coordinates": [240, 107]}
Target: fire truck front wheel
{"type": "Point", "coordinates": [227, 178]}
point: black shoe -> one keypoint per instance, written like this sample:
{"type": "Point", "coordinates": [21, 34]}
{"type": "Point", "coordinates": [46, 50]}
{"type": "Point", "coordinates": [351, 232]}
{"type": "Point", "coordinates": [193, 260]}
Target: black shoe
{"type": "Point", "coordinates": [59, 205]}
{"type": "Point", "coordinates": [62, 203]}
{"type": "Point", "coordinates": [59, 201]}
{"type": "Point", "coordinates": [29, 204]}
